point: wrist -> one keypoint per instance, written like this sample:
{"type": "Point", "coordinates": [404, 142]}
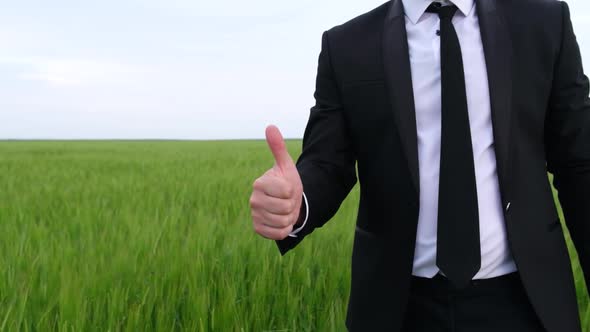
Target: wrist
{"type": "Point", "coordinates": [302, 218]}
{"type": "Point", "coordinates": [300, 215]}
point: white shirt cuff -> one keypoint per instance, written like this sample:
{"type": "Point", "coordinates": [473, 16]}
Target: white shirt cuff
{"type": "Point", "coordinates": [294, 232]}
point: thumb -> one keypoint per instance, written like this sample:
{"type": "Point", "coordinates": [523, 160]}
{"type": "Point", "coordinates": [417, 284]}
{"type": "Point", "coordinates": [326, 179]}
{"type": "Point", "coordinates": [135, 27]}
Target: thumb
{"type": "Point", "coordinates": [277, 146]}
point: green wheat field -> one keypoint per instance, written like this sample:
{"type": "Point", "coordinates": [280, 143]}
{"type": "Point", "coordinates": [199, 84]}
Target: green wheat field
{"type": "Point", "coordinates": [157, 236]}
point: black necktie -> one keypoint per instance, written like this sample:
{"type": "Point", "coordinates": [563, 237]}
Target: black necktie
{"type": "Point", "coordinates": [458, 247]}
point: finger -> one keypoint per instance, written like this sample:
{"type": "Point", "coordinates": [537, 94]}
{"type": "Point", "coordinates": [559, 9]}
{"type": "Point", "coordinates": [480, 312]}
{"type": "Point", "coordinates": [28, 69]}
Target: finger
{"type": "Point", "coordinates": [272, 220]}
{"type": "Point", "coordinates": [274, 186]}
{"type": "Point", "coordinates": [272, 233]}
{"type": "Point", "coordinates": [277, 146]}
{"type": "Point", "coordinates": [273, 205]}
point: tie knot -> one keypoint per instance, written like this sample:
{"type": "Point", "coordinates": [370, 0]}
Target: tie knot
{"type": "Point", "coordinates": [444, 12]}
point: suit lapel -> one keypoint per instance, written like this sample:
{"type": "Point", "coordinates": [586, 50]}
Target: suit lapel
{"type": "Point", "coordinates": [498, 54]}
{"type": "Point", "coordinates": [399, 82]}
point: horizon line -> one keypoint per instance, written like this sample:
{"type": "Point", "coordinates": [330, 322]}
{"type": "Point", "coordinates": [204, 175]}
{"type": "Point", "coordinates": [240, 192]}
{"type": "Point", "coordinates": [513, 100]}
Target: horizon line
{"type": "Point", "coordinates": [136, 139]}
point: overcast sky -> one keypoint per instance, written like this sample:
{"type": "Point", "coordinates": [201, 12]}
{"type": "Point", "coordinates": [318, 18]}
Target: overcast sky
{"type": "Point", "coordinates": [175, 69]}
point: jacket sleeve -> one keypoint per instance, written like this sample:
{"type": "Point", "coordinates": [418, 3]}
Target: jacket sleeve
{"type": "Point", "coordinates": [327, 162]}
{"type": "Point", "coordinates": [567, 140]}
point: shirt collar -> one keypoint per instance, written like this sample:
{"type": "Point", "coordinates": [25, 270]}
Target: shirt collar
{"type": "Point", "coordinates": [414, 9]}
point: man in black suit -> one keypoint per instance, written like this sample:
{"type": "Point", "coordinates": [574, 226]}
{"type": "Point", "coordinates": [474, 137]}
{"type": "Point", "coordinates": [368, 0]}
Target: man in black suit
{"type": "Point", "coordinates": [453, 112]}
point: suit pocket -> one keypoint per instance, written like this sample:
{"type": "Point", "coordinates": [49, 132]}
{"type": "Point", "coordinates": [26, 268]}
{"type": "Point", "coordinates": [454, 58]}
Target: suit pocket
{"type": "Point", "coordinates": [367, 254]}
{"type": "Point", "coordinates": [364, 232]}
{"type": "Point", "coordinates": [368, 292]}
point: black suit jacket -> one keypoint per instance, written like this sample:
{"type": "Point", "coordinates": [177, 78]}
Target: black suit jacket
{"type": "Point", "coordinates": [364, 116]}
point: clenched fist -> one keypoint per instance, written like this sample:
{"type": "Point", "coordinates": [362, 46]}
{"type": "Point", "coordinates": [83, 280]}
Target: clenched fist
{"type": "Point", "coordinates": [277, 195]}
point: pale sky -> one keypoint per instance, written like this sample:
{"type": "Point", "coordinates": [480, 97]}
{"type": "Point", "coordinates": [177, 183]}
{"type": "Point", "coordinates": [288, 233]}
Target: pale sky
{"type": "Point", "coordinates": [169, 69]}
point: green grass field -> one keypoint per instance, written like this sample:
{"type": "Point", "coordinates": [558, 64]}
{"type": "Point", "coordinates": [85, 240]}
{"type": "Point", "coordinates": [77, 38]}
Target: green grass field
{"type": "Point", "coordinates": [156, 236]}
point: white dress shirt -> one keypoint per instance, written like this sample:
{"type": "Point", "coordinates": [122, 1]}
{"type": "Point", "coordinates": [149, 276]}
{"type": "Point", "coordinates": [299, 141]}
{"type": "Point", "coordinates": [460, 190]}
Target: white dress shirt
{"type": "Point", "coordinates": [424, 52]}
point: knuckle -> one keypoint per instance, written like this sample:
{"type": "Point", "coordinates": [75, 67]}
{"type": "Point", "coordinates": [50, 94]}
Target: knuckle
{"type": "Point", "coordinates": [292, 205]}
{"type": "Point", "coordinates": [257, 185]}
{"type": "Point", "coordinates": [284, 233]}
{"type": "Point", "coordinates": [292, 219]}
{"type": "Point", "coordinates": [282, 207]}
{"type": "Point", "coordinates": [286, 221]}
{"type": "Point", "coordinates": [289, 190]}
{"type": "Point", "coordinates": [255, 202]}
{"type": "Point", "coordinates": [258, 229]}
